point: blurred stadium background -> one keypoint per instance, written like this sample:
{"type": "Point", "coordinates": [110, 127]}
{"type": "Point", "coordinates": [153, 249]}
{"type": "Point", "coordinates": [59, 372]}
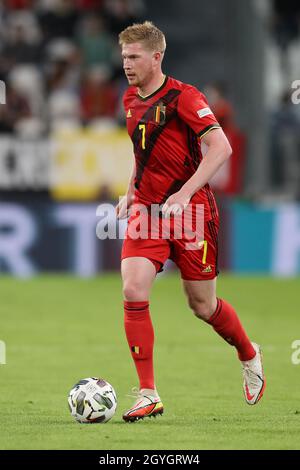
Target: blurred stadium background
{"type": "Point", "coordinates": [64, 148]}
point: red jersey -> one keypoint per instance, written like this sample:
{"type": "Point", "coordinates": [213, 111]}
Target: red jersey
{"type": "Point", "coordinates": [166, 128]}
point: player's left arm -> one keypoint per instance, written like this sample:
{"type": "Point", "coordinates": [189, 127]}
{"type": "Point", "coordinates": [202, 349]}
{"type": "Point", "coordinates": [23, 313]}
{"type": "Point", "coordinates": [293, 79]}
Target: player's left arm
{"type": "Point", "coordinates": [195, 111]}
{"type": "Point", "coordinates": [219, 150]}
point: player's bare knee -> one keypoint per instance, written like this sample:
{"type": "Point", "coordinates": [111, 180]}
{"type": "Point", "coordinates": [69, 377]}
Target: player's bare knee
{"type": "Point", "coordinates": [201, 309]}
{"type": "Point", "coordinates": [134, 292]}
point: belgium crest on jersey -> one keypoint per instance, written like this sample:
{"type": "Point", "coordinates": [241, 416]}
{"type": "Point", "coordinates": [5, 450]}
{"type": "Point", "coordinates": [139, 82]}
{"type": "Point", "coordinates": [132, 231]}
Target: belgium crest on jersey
{"type": "Point", "coordinates": [160, 113]}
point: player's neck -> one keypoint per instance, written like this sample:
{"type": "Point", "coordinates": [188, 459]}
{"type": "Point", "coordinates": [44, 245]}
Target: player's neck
{"type": "Point", "coordinates": [152, 86]}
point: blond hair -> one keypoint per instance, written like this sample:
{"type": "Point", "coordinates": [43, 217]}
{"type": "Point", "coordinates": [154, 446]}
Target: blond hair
{"type": "Point", "coordinates": [147, 33]}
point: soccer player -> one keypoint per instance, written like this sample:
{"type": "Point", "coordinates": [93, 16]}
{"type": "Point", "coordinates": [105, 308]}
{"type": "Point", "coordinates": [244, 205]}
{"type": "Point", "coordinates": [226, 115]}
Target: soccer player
{"type": "Point", "coordinates": [169, 123]}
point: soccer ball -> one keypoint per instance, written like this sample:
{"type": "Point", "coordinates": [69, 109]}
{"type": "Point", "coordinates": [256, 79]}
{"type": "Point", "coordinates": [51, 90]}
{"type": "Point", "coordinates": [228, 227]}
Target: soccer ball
{"type": "Point", "coordinates": [92, 400]}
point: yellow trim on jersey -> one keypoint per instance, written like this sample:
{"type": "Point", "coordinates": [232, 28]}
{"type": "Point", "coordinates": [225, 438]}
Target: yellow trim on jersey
{"type": "Point", "coordinates": [208, 131]}
{"type": "Point", "coordinates": [153, 92]}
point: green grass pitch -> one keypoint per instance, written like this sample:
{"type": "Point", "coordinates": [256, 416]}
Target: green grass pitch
{"type": "Point", "coordinates": [60, 329]}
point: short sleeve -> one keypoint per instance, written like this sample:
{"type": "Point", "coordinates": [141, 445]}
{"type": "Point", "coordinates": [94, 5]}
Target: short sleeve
{"type": "Point", "coordinates": [194, 110]}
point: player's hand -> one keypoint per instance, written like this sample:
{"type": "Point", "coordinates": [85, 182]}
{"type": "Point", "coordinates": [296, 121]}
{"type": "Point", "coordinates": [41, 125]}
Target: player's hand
{"type": "Point", "coordinates": [175, 204]}
{"type": "Point", "coordinates": [122, 209]}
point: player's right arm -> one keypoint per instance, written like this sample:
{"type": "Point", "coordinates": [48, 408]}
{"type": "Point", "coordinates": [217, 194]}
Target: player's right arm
{"type": "Point", "coordinates": [126, 201]}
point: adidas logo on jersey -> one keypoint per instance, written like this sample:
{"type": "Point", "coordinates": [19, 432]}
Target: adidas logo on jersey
{"type": "Point", "coordinates": [208, 269]}
{"type": "Point", "coordinates": [129, 115]}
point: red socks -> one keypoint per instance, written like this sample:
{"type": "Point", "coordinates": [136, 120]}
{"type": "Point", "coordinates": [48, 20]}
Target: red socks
{"type": "Point", "coordinates": [227, 324]}
{"type": "Point", "coordinates": [140, 337]}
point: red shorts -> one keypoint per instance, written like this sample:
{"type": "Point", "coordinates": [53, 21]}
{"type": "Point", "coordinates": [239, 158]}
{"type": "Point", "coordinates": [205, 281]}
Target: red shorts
{"type": "Point", "coordinates": [196, 260]}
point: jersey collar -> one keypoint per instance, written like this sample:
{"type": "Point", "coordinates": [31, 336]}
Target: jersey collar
{"type": "Point", "coordinates": [147, 97]}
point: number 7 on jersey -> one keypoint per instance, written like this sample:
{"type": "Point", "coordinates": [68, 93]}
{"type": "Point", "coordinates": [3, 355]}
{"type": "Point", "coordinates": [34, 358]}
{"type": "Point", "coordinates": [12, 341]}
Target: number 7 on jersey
{"type": "Point", "coordinates": [142, 127]}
